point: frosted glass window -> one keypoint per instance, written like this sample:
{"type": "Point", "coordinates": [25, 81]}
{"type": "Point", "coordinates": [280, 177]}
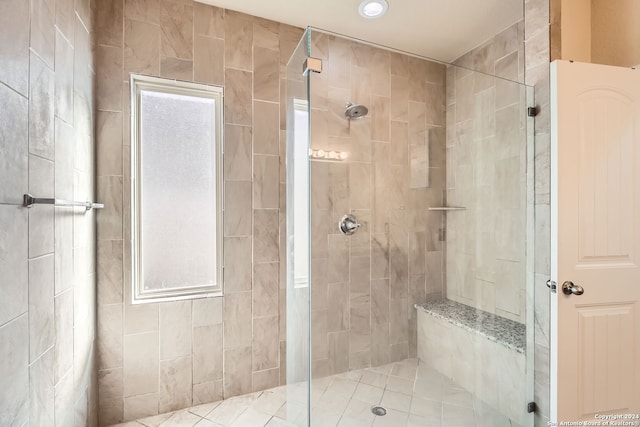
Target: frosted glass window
{"type": "Point", "coordinates": [177, 191]}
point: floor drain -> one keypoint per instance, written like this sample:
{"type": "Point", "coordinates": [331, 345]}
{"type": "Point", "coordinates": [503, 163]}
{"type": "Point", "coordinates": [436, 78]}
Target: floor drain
{"type": "Point", "coordinates": [378, 410]}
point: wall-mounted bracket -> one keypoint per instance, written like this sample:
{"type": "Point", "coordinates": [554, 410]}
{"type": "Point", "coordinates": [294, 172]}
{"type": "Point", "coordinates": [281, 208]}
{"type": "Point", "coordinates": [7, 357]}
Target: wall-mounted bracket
{"type": "Point", "coordinates": [531, 407]}
{"type": "Point", "coordinates": [532, 111]}
{"type": "Point", "coordinates": [311, 64]}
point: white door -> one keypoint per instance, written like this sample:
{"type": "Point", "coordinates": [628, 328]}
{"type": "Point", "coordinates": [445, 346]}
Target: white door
{"type": "Point", "coordinates": [595, 241]}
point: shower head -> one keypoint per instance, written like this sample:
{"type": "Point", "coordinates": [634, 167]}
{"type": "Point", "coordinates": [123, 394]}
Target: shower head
{"type": "Point", "coordinates": [355, 111]}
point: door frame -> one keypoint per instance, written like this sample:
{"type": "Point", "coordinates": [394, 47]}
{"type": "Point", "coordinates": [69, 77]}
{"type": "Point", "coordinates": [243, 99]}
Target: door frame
{"type": "Point", "coordinates": [553, 205]}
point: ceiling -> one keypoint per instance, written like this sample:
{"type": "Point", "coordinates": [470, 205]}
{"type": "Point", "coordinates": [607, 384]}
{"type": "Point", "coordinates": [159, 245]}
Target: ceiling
{"type": "Point", "coordinates": [438, 29]}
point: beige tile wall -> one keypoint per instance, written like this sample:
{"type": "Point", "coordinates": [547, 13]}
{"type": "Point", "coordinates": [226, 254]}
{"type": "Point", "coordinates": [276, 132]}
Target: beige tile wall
{"type": "Point", "coordinates": [364, 286]}
{"type": "Point", "coordinates": [487, 166]}
{"type": "Point", "coordinates": [47, 255]}
{"type": "Point", "coordinates": [159, 357]}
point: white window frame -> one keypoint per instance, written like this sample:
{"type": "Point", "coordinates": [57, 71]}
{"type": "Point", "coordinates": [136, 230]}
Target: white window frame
{"type": "Point", "coordinates": [138, 84]}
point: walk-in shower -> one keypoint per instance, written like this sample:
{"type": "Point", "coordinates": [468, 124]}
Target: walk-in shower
{"type": "Point", "coordinates": [415, 310]}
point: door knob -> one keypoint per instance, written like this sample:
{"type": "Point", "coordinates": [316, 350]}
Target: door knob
{"type": "Point", "coordinates": [568, 288]}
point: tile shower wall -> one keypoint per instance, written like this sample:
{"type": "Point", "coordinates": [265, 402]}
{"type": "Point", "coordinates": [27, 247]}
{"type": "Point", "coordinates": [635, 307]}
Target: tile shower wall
{"type": "Point", "coordinates": [47, 255]}
{"type": "Point", "coordinates": [364, 286]}
{"type": "Point", "coordinates": [158, 357]}
{"type": "Point", "coordinates": [486, 150]}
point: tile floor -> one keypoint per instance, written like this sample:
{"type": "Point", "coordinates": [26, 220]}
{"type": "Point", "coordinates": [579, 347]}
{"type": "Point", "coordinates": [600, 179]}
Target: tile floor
{"type": "Point", "coordinates": [413, 394]}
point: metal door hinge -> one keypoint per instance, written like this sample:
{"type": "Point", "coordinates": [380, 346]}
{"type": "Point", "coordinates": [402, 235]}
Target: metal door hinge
{"type": "Point", "coordinates": [532, 111]}
{"type": "Point", "coordinates": [552, 285]}
{"type": "Point", "coordinates": [312, 64]}
{"type": "Point", "coordinates": [531, 407]}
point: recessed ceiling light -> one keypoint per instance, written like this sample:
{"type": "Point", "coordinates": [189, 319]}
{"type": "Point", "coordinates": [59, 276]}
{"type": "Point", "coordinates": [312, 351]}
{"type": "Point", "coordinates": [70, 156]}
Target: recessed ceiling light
{"type": "Point", "coordinates": [372, 9]}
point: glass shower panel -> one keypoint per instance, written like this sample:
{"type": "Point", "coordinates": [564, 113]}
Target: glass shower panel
{"type": "Point", "coordinates": [489, 245]}
{"type": "Point", "coordinates": [298, 236]}
{"type": "Point", "coordinates": [420, 313]}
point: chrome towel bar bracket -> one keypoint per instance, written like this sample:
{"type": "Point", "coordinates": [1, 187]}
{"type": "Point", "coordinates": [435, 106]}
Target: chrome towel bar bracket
{"type": "Point", "coordinates": [28, 200]}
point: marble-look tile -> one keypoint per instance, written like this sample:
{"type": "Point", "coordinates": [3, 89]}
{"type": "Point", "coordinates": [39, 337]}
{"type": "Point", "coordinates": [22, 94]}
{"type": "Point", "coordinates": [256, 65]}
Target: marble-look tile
{"type": "Point", "coordinates": [175, 329]}
{"type": "Point", "coordinates": [265, 345]}
{"type": "Point", "coordinates": [237, 153]}
{"type": "Point", "coordinates": [238, 102]}
{"type": "Point", "coordinates": [15, 352]}
{"type": "Point", "coordinates": [208, 20]}
{"type": "Point", "coordinates": [64, 400]}
{"type": "Point", "coordinates": [318, 331]}
{"type": "Point", "coordinates": [265, 74]}
{"type": "Point", "coordinates": [141, 364]}
{"type": "Point", "coordinates": [178, 69]}
{"type": "Point", "coordinates": [41, 312]}
{"type": "Point", "coordinates": [338, 351]}
{"type": "Point", "coordinates": [13, 263]}
{"type": "Point", "coordinates": [238, 35]}
{"type": "Point", "coordinates": [141, 48]}
{"type": "Point", "coordinates": [109, 71]}
{"type": "Point", "coordinates": [237, 265]}
{"type": "Point", "coordinates": [237, 319]}
{"type": "Point", "coordinates": [110, 191]}
{"type": "Point", "coordinates": [210, 391]}
{"type": "Point", "coordinates": [110, 347]}
{"type": "Point", "coordinates": [265, 235]}
{"type": "Point", "coordinates": [237, 218]}
{"type": "Point", "coordinates": [143, 10]}
{"type": "Point", "coordinates": [207, 353]}
{"type": "Point", "coordinates": [207, 311]}
{"type": "Point", "coordinates": [63, 313]}
{"type": "Point", "coordinates": [65, 17]}
{"type": "Point", "coordinates": [399, 330]}
{"type": "Point", "coordinates": [208, 58]}
{"type": "Point", "coordinates": [110, 271]}
{"type": "Point", "coordinates": [176, 29]}
{"type": "Point", "coordinates": [379, 256]}
{"type": "Point", "coordinates": [14, 60]}
{"type": "Point", "coordinates": [109, 143]}
{"type": "Point", "coordinates": [14, 137]}
{"type": "Point", "coordinates": [541, 379]}
{"type": "Point", "coordinates": [111, 412]}
{"type": "Point", "coordinates": [264, 380]}
{"type": "Point", "coordinates": [108, 23]}
{"type": "Point", "coordinates": [265, 127]}
{"type": "Point", "coordinates": [360, 179]}
{"type": "Point", "coordinates": [237, 368]}
{"type": "Point", "coordinates": [339, 263]}
{"type": "Point", "coordinates": [141, 406]}
{"type": "Point", "coordinates": [140, 318]}
{"type": "Point", "coordinates": [266, 186]}
{"type": "Point", "coordinates": [41, 107]}
{"type": "Point", "coordinates": [265, 289]}
{"type": "Point", "coordinates": [110, 384]}
{"type": "Point", "coordinates": [64, 162]}
{"type": "Point", "coordinates": [64, 77]}
{"type": "Point", "coordinates": [266, 33]}
{"type": "Point", "coordinates": [509, 277]}
{"type": "Point", "coordinates": [175, 384]}
{"type": "Point", "coordinates": [338, 307]}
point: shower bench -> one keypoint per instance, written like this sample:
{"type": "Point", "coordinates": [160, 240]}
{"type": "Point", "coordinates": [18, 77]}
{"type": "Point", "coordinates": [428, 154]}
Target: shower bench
{"type": "Point", "coordinates": [480, 351]}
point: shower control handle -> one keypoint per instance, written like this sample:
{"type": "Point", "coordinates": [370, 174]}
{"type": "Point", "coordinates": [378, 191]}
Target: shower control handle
{"type": "Point", "coordinates": [348, 225]}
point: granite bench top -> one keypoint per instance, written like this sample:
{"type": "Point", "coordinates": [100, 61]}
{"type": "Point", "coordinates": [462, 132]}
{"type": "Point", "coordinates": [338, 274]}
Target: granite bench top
{"type": "Point", "coordinates": [498, 329]}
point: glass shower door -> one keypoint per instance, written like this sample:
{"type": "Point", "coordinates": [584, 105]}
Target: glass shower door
{"type": "Point", "coordinates": [298, 235]}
